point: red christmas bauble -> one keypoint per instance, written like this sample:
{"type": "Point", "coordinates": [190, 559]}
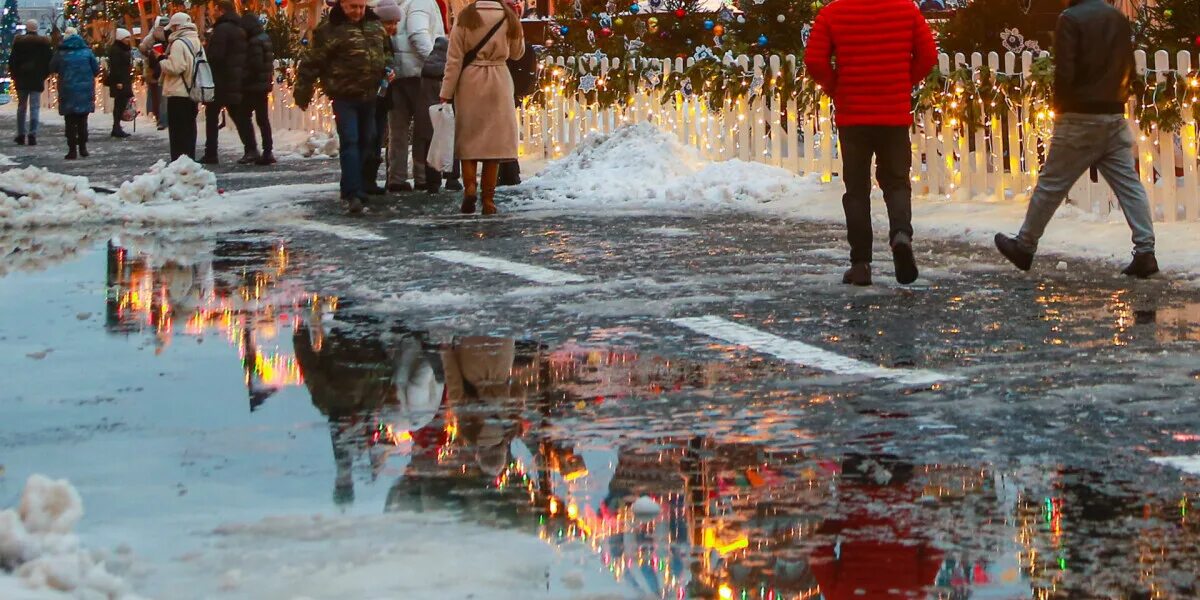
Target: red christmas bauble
{"type": "Point", "coordinates": [1198, 41]}
{"type": "Point", "coordinates": [680, 13]}
{"type": "Point", "coordinates": [605, 32]}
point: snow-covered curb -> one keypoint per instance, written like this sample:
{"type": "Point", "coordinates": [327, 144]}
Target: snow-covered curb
{"type": "Point", "coordinates": [641, 169]}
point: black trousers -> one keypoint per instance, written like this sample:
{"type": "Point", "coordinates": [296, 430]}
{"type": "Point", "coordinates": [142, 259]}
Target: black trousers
{"type": "Point", "coordinates": [892, 150]}
{"type": "Point", "coordinates": [181, 126]}
{"type": "Point", "coordinates": [119, 104]}
{"type": "Point", "coordinates": [76, 128]}
{"type": "Point", "coordinates": [257, 105]}
{"type": "Point", "coordinates": [212, 125]}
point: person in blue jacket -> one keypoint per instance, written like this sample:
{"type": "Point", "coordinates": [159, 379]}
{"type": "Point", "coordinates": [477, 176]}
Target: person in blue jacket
{"type": "Point", "coordinates": [76, 67]}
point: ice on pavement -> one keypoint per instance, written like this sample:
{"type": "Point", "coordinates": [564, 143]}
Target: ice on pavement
{"type": "Point", "coordinates": [46, 559]}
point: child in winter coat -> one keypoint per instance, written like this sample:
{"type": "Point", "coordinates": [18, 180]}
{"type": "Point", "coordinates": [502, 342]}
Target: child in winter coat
{"type": "Point", "coordinates": [76, 67]}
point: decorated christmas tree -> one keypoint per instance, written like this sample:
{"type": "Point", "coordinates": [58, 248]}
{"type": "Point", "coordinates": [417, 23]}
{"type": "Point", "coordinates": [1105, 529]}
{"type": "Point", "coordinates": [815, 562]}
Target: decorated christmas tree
{"type": "Point", "coordinates": [8, 30]}
{"type": "Point", "coordinates": [655, 28]}
{"type": "Point", "coordinates": [999, 26]}
{"type": "Point", "coordinates": [1170, 25]}
{"type": "Point", "coordinates": [772, 26]}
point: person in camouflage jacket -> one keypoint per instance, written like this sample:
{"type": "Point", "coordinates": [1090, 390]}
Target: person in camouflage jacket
{"type": "Point", "coordinates": [349, 55]}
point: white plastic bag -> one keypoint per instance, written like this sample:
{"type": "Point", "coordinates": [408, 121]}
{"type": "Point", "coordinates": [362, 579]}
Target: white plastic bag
{"type": "Point", "coordinates": [441, 149]}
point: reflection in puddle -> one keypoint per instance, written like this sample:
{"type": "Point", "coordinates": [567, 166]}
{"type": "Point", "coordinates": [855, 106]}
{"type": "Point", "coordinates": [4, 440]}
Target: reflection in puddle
{"type": "Point", "coordinates": [560, 440]}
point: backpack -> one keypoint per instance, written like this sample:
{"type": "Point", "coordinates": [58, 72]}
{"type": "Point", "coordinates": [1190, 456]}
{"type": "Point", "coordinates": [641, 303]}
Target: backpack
{"type": "Point", "coordinates": [203, 88]}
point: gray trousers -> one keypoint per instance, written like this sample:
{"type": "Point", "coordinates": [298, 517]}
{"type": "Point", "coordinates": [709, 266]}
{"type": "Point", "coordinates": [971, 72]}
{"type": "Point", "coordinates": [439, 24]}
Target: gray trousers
{"type": "Point", "coordinates": [406, 102]}
{"type": "Point", "coordinates": [1081, 141]}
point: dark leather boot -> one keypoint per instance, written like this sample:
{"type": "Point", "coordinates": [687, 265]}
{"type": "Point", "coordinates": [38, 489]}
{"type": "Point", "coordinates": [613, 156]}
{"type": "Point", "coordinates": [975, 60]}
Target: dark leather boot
{"type": "Point", "coordinates": [468, 205]}
{"type": "Point", "coordinates": [1012, 251]}
{"type": "Point", "coordinates": [1143, 266]}
{"type": "Point", "coordinates": [858, 274]}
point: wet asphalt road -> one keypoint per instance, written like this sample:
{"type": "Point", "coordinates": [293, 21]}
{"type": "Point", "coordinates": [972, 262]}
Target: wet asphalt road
{"type": "Point", "coordinates": [1024, 472]}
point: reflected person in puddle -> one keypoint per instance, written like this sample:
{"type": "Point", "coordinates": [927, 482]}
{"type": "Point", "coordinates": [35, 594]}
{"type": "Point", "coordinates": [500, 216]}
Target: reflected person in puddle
{"type": "Point", "coordinates": [352, 377]}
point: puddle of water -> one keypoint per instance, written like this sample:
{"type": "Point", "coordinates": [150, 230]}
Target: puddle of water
{"type": "Point", "coordinates": [355, 412]}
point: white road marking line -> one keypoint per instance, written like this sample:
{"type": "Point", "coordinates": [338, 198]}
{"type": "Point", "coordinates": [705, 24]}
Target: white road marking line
{"type": "Point", "coordinates": [801, 353]}
{"type": "Point", "coordinates": [516, 269]}
{"type": "Point", "coordinates": [1187, 464]}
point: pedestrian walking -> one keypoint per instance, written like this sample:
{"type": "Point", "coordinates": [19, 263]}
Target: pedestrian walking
{"type": "Point", "coordinates": [420, 24]}
{"type": "Point", "coordinates": [256, 89]}
{"type": "Point", "coordinates": [1093, 67]}
{"type": "Point", "coordinates": [486, 34]}
{"type": "Point", "coordinates": [76, 67]}
{"type": "Point", "coordinates": [178, 64]}
{"type": "Point", "coordinates": [389, 15]}
{"type": "Point", "coordinates": [348, 55]}
{"type": "Point", "coordinates": [156, 103]}
{"type": "Point", "coordinates": [226, 54]}
{"type": "Point", "coordinates": [868, 55]}
{"type": "Point", "coordinates": [29, 65]}
{"type": "Point", "coordinates": [119, 77]}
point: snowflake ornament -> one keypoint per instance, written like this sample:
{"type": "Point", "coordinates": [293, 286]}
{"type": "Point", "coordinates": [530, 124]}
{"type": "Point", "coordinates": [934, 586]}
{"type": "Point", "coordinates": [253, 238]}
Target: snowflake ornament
{"type": "Point", "coordinates": [1012, 40]}
{"type": "Point", "coordinates": [605, 20]}
{"type": "Point", "coordinates": [591, 35]}
{"type": "Point", "coordinates": [599, 55]}
{"type": "Point", "coordinates": [703, 53]}
{"type": "Point", "coordinates": [725, 15]}
{"type": "Point", "coordinates": [687, 89]}
{"type": "Point", "coordinates": [756, 84]}
{"type": "Point", "coordinates": [804, 33]}
{"type": "Point", "coordinates": [717, 41]}
{"type": "Point", "coordinates": [1033, 46]}
{"type": "Point", "coordinates": [587, 83]}
{"type": "Point", "coordinates": [634, 46]}
{"type": "Point", "coordinates": [652, 77]}
{"type": "Point", "coordinates": [578, 8]}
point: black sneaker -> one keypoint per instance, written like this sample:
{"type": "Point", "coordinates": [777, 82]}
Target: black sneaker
{"type": "Point", "coordinates": [32, 140]}
{"type": "Point", "coordinates": [1143, 266]}
{"type": "Point", "coordinates": [372, 189]}
{"type": "Point", "coordinates": [354, 205]}
{"type": "Point", "coordinates": [1012, 251]}
{"type": "Point", "coordinates": [902, 256]}
{"type": "Point", "coordinates": [267, 159]}
{"type": "Point", "coordinates": [20, 140]}
{"type": "Point", "coordinates": [249, 158]}
{"type": "Point", "coordinates": [453, 185]}
{"type": "Point", "coordinates": [120, 133]}
{"type": "Point", "coordinates": [858, 274]}
{"type": "Point", "coordinates": [209, 159]}
{"type": "Point", "coordinates": [403, 186]}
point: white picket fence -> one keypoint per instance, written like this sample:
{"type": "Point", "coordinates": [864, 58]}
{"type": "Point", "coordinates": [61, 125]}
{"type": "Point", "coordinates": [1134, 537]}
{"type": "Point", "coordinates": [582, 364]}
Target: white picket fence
{"type": "Point", "coordinates": [948, 160]}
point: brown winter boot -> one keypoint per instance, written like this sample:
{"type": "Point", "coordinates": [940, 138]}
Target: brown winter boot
{"type": "Point", "coordinates": [489, 201]}
{"type": "Point", "coordinates": [858, 274]}
{"type": "Point", "coordinates": [468, 205]}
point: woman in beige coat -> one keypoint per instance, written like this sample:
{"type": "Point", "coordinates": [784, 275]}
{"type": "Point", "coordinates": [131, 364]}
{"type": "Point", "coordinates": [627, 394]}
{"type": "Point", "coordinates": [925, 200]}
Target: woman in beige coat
{"type": "Point", "coordinates": [485, 126]}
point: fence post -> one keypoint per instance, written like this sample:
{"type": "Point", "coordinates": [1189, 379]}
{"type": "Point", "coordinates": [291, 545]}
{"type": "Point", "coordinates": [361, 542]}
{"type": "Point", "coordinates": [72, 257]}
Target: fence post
{"type": "Point", "coordinates": [1187, 139]}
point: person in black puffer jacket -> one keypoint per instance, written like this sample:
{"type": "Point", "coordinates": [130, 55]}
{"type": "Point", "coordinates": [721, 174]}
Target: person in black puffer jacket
{"type": "Point", "coordinates": [256, 87]}
{"type": "Point", "coordinates": [226, 52]}
{"type": "Point", "coordinates": [120, 78]}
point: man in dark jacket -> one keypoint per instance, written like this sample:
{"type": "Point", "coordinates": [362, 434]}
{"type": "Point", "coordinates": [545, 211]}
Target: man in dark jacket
{"type": "Point", "coordinates": [120, 78]}
{"type": "Point", "coordinates": [29, 65]}
{"type": "Point", "coordinates": [226, 52]}
{"type": "Point", "coordinates": [882, 49]}
{"type": "Point", "coordinates": [260, 78]}
{"type": "Point", "coordinates": [349, 55]}
{"type": "Point", "coordinates": [1093, 58]}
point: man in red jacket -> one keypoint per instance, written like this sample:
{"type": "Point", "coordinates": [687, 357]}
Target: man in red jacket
{"type": "Point", "coordinates": [868, 55]}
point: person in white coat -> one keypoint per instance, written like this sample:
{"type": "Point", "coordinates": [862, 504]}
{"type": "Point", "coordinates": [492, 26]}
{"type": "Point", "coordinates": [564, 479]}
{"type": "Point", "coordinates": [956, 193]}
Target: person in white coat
{"type": "Point", "coordinates": [420, 24]}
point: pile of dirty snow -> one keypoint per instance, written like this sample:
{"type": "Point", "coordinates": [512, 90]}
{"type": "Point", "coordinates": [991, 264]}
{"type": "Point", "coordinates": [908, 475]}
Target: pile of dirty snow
{"type": "Point", "coordinates": [181, 181]}
{"type": "Point", "coordinates": [318, 144]}
{"type": "Point", "coordinates": [642, 167]}
{"type": "Point", "coordinates": [41, 557]}
{"type": "Point", "coordinates": [180, 193]}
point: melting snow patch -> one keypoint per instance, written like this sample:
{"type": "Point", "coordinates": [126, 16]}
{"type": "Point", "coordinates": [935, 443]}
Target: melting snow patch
{"type": "Point", "coordinates": [1187, 464]}
{"type": "Point", "coordinates": [39, 548]}
{"type": "Point", "coordinates": [642, 167]}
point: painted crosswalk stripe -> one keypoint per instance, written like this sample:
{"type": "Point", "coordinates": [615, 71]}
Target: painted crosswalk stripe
{"type": "Point", "coordinates": [801, 353]}
{"type": "Point", "coordinates": [1187, 464]}
{"type": "Point", "coordinates": [508, 267]}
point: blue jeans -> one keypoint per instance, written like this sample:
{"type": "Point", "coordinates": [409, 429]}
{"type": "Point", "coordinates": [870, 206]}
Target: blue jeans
{"type": "Point", "coordinates": [31, 102]}
{"type": "Point", "coordinates": [1079, 142]}
{"type": "Point", "coordinates": [356, 129]}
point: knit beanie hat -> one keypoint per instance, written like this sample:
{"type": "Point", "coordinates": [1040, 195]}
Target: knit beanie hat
{"type": "Point", "coordinates": [387, 10]}
{"type": "Point", "coordinates": [122, 34]}
{"type": "Point", "coordinates": [178, 19]}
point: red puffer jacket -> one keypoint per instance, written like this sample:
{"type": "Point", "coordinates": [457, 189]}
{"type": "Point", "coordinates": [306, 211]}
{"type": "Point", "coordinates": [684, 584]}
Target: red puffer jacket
{"type": "Point", "coordinates": [882, 49]}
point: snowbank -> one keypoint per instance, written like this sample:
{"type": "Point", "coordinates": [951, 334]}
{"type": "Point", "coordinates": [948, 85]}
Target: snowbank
{"type": "Point", "coordinates": [39, 548]}
{"type": "Point", "coordinates": [641, 168]}
{"type": "Point", "coordinates": [180, 193]}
